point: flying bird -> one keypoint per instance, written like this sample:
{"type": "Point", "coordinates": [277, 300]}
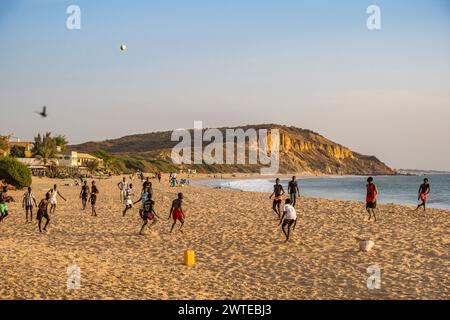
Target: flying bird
{"type": "Point", "coordinates": [43, 113]}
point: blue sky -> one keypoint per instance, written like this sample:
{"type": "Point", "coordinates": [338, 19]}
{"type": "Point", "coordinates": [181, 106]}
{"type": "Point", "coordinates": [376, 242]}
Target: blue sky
{"type": "Point", "coordinates": [311, 64]}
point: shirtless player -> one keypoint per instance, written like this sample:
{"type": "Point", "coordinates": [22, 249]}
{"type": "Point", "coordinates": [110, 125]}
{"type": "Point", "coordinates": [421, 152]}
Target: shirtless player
{"type": "Point", "coordinates": [277, 193]}
{"type": "Point", "coordinates": [177, 212]}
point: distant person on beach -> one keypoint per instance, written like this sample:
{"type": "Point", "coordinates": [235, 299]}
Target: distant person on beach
{"type": "Point", "coordinates": [147, 186]}
{"type": "Point", "coordinates": [159, 177]}
{"type": "Point", "coordinates": [123, 186]}
{"type": "Point", "coordinates": [277, 193]}
{"type": "Point", "coordinates": [4, 194]}
{"type": "Point", "coordinates": [289, 219]}
{"type": "Point", "coordinates": [43, 211]}
{"type": "Point", "coordinates": [93, 199]}
{"type": "Point", "coordinates": [424, 191]}
{"type": "Point", "coordinates": [84, 194]}
{"type": "Point", "coordinates": [148, 213]}
{"type": "Point", "coordinates": [145, 195]}
{"type": "Point", "coordinates": [54, 193]}
{"type": "Point", "coordinates": [129, 194]}
{"type": "Point", "coordinates": [4, 211]}
{"type": "Point", "coordinates": [177, 212]}
{"type": "Point", "coordinates": [28, 203]}
{"type": "Point", "coordinates": [293, 191]}
{"type": "Point", "coordinates": [146, 183]}
{"type": "Point", "coordinates": [371, 198]}
{"type": "Point", "coordinates": [173, 182]}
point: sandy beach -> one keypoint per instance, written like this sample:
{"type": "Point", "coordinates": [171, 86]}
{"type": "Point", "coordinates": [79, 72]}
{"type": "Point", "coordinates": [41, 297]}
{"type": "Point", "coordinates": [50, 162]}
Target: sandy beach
{"type": "Point", "coordinates": [240, 250]}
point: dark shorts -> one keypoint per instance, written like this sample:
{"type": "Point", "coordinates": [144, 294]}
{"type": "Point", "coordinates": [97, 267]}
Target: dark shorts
{"type": "Point", "coordinates": [93, 201]}
{"type": "Point", "coordinates": [29, 207]}
{"type": "Point", "coordinates": [288, 222]}
{"type": "Point", "coordinates": [371, 205]}
{"type": "Point", "coordinates": [277, 202]}
{"type": "Point", "coordinates": [41, 215]}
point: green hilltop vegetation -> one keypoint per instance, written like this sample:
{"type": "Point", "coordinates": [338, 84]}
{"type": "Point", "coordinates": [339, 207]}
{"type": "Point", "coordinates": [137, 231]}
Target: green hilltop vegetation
{"type": "Point", "coordinates": [130, 163]}
{"type": "Point", "coordinates": [123, 163]}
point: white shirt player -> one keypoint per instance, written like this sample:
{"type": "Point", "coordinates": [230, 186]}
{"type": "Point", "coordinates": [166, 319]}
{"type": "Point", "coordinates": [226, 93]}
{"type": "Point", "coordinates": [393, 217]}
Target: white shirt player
{"type": "Point", "coordinates": [291, 214]}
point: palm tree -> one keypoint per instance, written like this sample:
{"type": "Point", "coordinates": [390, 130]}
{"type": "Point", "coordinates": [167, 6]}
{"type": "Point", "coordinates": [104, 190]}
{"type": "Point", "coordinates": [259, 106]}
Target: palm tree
{"type": "Point", "coordinates": [61, 142]}
{"type": "Point", "coordinates": [4, 144]}
{"type": "Point", "coordinates": [93, 166]}
{"type": "Point", "coordinates": [45, 147]}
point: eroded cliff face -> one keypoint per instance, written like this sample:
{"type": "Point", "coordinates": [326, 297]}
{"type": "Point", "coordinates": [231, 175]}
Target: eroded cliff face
{"type": "Point", "coordinates": [304, 151]}
{"type": "Point", "coordinates": [290, 144]}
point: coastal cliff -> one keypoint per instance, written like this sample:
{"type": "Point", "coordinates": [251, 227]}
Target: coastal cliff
{"type": "Point", "coordinates": [301, 151]}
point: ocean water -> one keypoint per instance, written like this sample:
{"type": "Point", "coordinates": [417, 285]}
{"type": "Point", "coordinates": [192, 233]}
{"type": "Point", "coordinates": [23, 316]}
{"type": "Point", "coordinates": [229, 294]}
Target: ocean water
{"type": "Point", "coordinates": [392, 189]}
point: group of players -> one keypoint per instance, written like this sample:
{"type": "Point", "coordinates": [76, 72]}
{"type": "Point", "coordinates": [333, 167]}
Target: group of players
{"type": "Point", "coordinates": [29, 202]}
{"type": "Point", "coordinates": [47, 206]}
{"type": "Point", "coordinates": [147, 208]}
{"type": "Point", "coordinates": [288, 217]}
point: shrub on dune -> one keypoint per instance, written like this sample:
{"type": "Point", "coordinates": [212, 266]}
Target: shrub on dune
{"type": "Point", "coordinates": [14, 173]}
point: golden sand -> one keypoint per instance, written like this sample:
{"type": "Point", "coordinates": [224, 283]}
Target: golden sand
{"type": "Point", "coordinates": [240, 250]}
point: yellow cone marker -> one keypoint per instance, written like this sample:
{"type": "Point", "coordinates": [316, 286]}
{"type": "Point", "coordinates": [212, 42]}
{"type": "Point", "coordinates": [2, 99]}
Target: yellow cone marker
{"type": "Point", "coordinates": [189, 258]}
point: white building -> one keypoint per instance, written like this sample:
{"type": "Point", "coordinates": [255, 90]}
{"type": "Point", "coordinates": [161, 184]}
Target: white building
{"type": "Point", "coordinates": [68, 160]}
